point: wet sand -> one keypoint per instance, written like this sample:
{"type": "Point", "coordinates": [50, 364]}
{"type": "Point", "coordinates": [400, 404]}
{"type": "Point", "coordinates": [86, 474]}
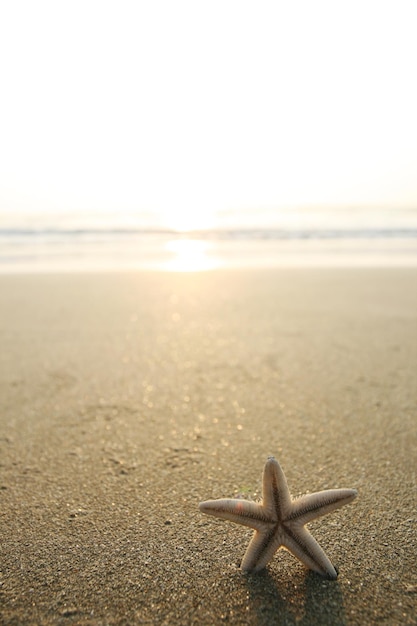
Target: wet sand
{"type": "Point", "coordinates": [126, 399]}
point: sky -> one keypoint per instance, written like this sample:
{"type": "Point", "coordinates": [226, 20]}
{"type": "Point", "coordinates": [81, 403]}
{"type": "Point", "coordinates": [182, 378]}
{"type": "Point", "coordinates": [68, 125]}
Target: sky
{"type": "Point", "coordinates": [189, 111]}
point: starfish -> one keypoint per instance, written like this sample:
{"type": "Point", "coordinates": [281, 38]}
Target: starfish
{"type": "Point", "coordinates": [279, 521]}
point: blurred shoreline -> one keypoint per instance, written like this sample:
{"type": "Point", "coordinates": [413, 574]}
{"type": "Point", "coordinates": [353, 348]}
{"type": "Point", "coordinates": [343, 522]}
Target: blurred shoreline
{"type": "Point", "coordinates": [53, 249]}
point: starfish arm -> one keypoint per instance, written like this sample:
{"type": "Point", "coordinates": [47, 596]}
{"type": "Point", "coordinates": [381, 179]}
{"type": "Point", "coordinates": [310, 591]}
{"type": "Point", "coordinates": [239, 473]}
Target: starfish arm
{"type": "Point", "coordinates": [276, 498]}
{"type": "Point", "coordinates": [303, 546]}
{"type": "Point", "coordinates": [239, 511]}
{"type": "Point", "coordinates": [314, 505]}
{"type": "Point", "coordinates": [260, 550]}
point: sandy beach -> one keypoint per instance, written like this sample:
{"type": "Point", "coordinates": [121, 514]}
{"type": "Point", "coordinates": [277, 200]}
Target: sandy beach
{"type": "Point", "coordinates": [127, 399]}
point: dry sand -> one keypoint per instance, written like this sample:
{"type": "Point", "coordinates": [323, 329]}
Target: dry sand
{"type": "Point", "coordinates": [127, 399]}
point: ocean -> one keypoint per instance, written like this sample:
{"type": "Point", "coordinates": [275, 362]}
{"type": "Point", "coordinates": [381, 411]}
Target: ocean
{"type": "Point", "coordinates": [58, 243]}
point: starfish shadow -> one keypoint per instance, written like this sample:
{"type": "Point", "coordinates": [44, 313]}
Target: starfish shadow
{"type": "Point", "coordinates": [304, 602]}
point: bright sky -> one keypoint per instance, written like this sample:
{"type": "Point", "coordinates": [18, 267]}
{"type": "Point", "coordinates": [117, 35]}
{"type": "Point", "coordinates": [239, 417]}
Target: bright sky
{"type": "Point", "coordinates": [189, 109]}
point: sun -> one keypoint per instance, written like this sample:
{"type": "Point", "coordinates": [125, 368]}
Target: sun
{"type": "Point", "coordinates": [190, 255]}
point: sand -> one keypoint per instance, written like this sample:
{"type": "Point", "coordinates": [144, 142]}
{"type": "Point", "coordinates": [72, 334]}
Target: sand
{"type": "Point", "coordinates": [126, 399]}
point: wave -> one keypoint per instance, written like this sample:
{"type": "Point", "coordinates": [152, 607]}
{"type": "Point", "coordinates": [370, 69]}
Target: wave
{"type": "Point", "coordinates": [234, 234]}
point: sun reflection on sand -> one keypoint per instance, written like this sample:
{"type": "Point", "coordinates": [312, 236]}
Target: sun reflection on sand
{"type": "Point", "coordinates": [190, 255]}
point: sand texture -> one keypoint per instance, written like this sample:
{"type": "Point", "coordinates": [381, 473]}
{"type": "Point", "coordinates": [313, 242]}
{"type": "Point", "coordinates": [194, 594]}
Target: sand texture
{"type": "Point", "coordinates": [125, 400]}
